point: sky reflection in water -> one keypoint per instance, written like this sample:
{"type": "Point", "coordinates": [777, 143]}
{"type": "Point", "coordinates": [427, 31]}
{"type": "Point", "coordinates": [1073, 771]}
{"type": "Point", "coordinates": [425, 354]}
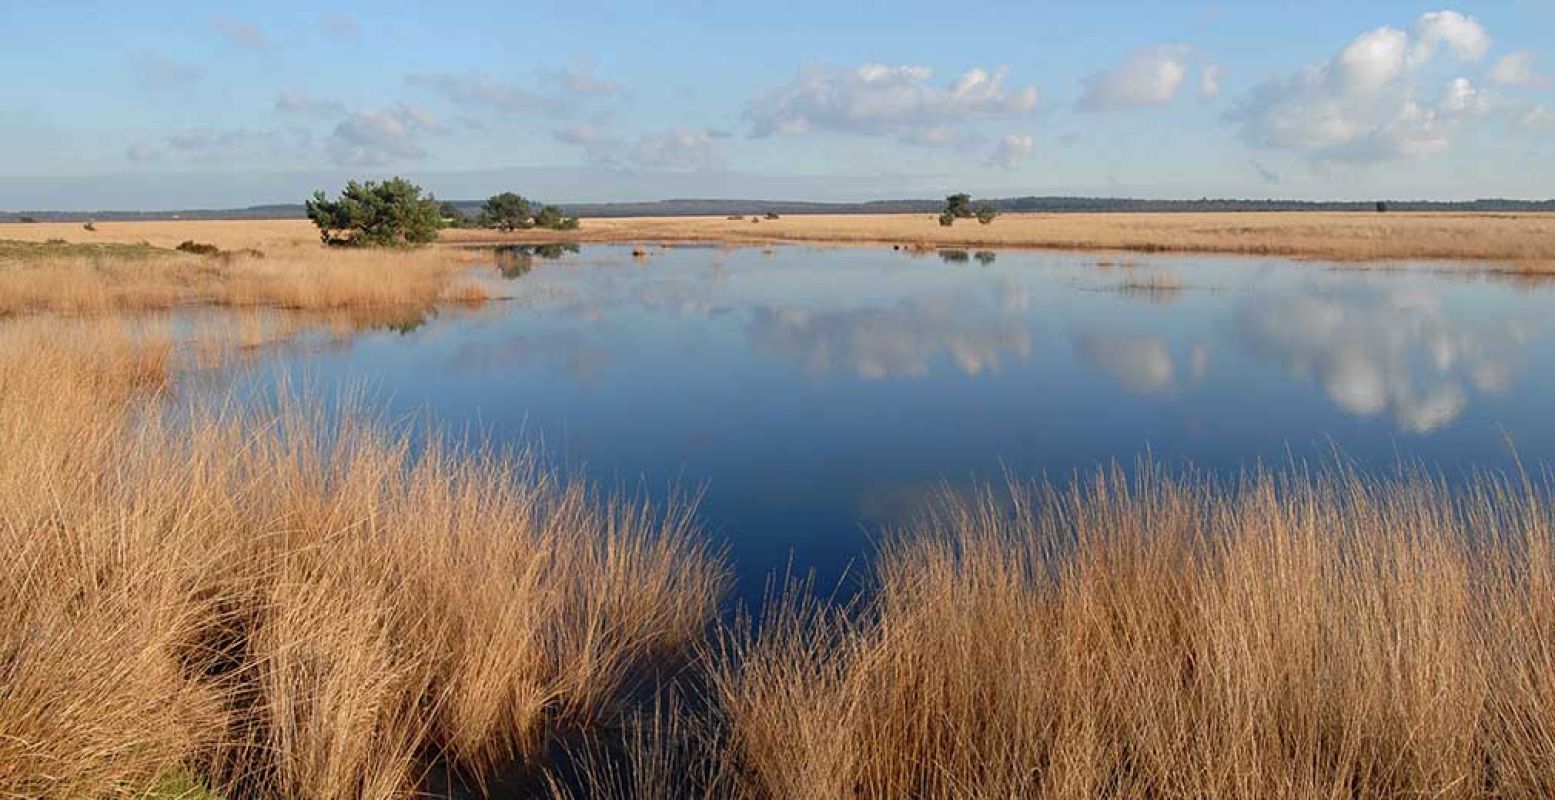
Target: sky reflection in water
{"type": "Point", "coordinates": [819, 394]}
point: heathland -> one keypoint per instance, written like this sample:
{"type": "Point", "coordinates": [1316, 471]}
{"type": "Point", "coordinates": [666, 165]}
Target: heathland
{"type": "Point", "coordinates": [273, 599]}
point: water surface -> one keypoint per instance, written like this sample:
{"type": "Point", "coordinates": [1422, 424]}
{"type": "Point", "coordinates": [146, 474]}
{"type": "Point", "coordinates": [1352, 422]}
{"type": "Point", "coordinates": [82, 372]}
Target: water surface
{"type": "Point", "coordinates": [820, 394]}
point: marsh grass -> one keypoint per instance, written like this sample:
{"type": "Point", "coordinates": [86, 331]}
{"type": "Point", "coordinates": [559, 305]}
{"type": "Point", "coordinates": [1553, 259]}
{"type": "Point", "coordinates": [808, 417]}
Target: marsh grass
{"type": "Point", "coordinates": [295, 602]}
{"type": "Point", "coordinates": [1515, 243]}
{"type": "Point", "coordinates": [294, 277]}
{"type": "Point", "coordinates": [1288, 636]}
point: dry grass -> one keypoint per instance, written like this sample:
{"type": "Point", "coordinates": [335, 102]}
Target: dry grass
{"type": "Point", "coordinates": [1516, 242]}
{"type": "Point", "coordinates": [1154, 638]}
{"type": "Point", "coordinates": [298, 603]}
{"type": "Point", "coordinates": [294, 272]}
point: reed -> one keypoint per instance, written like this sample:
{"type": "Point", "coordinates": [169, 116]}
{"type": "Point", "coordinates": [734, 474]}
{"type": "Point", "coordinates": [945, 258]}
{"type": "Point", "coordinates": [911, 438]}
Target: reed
{"type": "Point", "coordinates": [290, 601]}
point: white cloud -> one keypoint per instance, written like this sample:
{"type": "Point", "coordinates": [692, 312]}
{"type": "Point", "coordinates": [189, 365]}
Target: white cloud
{"type": "Point", "coordinates": [880, 100]}
{"type": "Point", "coordinates": [679, 149]}
{"type": "Point", "coordinates": [1362, 106]}
{"type": "Point", "coordinates": [384, 136]}
{"type": "Point", "coordinates": [1012, 150]}
{"type": "Point", "coordinates": [1461, 100]}
{"type": "Point", "coordinates": [1149, 76]}
{"type": "Point", "coordinates": [1209, 82]}
{"type": "Point", "coordinates": [1518, 69]}
{"type": "Point", "coordinates": [1460, 34]}
{"type": "Point", "coordinates": [1372, 61]}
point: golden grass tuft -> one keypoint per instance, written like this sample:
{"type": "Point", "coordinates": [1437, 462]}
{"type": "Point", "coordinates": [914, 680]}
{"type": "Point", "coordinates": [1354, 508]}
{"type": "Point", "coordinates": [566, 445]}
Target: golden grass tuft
{"type": "Point", "coordinates": [1288, 637]}
{"type": "Point", "coordinates": [296, 602]}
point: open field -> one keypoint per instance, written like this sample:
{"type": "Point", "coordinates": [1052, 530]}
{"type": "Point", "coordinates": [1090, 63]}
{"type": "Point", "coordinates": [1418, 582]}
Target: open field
{"type": "Point", "coordinates": [1514, 241]}
{"type": "Point", "coordinates": [267, 265]}
{"type": "Point", "coordinates": [1517, 242]}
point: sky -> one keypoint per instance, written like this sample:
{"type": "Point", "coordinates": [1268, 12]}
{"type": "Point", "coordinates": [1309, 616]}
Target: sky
{"type": "Point", "coordinates": [158, 105]}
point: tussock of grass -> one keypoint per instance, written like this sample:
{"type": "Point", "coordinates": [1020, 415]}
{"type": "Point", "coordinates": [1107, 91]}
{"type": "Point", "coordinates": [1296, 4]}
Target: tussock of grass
{"type": "Point", "coordinates": [1288, 637]}
{"type": "Point", "coordinates": [298, 603]}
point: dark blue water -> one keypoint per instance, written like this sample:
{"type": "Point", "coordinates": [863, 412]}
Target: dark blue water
{"type": "Point", "coordinates": [818, 394]}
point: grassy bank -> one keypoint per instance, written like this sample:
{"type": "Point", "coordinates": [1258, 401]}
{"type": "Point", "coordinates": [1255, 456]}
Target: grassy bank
{"type": "Point", "coordinates": [1506, 242]}
{"type": "Point", "coordinates": [1502, 242]}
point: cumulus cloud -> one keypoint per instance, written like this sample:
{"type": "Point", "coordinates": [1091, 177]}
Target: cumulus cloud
{"type": "Point", "coordinates": [1012, 150]}
{"type": "Point", "coordinates": [378, 137]}
{"type": "Point", "coordinates": [1518, 69]}
{"type": "Point", "coordinates": [1149, 76]}
{"type": "Point", "coordinates": [1460, 34]}
{"type": "Point", "coordinates": [238, 33]}
{"type": "Point", "coordinates": [1373, 353]}
{"type": "Point", "coordinates": [1364, 104]}
{"type": "Point", "coordinates": [881, 100]}
{"type": "Point", "coordinates": [679, 149]}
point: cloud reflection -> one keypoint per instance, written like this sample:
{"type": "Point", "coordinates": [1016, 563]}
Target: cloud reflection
{"type": "Point", "coordinates": [1376, 352]}
{"type": "Point", "coordinates": [1143, 365]}
{"type": "Point", "coordinates": [903, 339]}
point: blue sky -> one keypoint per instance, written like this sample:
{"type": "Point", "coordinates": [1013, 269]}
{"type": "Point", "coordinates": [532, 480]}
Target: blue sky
{"type": "Point", "coordinates": [111, 104]}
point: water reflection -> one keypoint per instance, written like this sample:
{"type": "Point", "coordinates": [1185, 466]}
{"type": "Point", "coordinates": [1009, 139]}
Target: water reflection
{"type": "Point", "coordinates": [904, 339]}
{"type": "Point", "coordinates": [1385, 351]}
{"type": "Point", "coordinates": [817, 394]}
{"type": "Point", "coordinates": [516, 260]}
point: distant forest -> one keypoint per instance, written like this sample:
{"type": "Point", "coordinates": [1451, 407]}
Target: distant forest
{"type": "Point", "coordinates": [688, 208]}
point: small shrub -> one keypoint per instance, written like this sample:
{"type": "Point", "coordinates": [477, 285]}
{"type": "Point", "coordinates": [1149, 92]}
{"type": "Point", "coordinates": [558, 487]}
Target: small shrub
{"type": "Point", "coordinates": [772, 215]}
{"type": "Point", "coordinates": [90, 226]}
{"type": "Point", "coordinates": [735, 217]}
{"type": "Point", "coordinates": [947, 219]}
{"type": "Point", "coordinates": [986, 213]}
{"type": "Point", "coordinates": [755, 219]}
{"type": "Point", "coordinates": [27, 220]}
{"type": "Point", "coordinates": [198, 248]}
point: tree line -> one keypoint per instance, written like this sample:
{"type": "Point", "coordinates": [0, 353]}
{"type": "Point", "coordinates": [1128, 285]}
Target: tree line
{"type": "Point", "coordinates": [397, 212]}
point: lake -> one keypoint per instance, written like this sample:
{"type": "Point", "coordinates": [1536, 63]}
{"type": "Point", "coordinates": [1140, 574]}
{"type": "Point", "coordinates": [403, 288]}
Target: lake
{"type": "Point", "coordinates": [818, 396]}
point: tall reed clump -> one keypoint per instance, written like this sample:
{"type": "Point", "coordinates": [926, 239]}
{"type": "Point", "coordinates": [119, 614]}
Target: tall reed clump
{"type": "Point", "coordinates": [288, 602]}
{"type": "Point", "coordinates": [1150, 637]}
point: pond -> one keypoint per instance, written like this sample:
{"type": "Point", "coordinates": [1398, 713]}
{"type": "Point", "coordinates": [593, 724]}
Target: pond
{"type": "Point", "coordinates": [818, 396]}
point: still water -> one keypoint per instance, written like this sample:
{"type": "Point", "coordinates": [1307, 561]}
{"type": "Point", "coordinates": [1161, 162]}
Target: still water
{"type": "Point", "coordinates": [817, 395]}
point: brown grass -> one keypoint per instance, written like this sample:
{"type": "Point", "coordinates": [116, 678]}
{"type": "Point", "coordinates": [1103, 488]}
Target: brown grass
{"type": "Point", "coordinates": [1516, 242]}
{"type": "Point", "coordinates": [1288, 637]}
{"type": "Point", "coordinates": [298, 603]}
{"type": "Point", "coordinates": [277, 265]}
